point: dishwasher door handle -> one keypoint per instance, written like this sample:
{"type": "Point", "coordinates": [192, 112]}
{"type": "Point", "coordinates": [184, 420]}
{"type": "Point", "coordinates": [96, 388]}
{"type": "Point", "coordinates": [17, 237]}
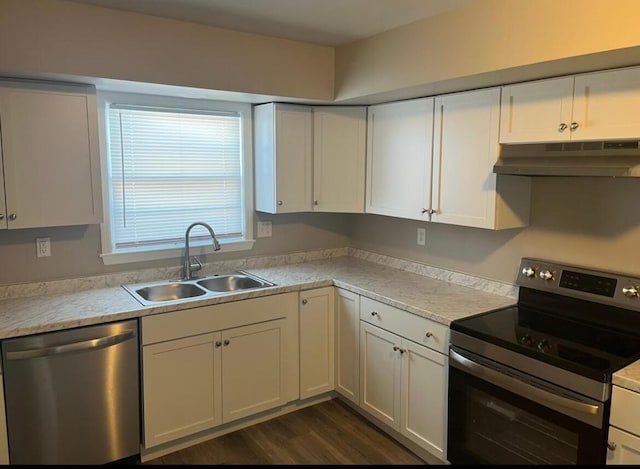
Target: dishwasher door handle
{"type": "Point", "coordinates": [91, 344]}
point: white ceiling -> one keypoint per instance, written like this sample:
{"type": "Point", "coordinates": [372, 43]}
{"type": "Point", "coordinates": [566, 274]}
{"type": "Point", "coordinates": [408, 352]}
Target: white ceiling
{"type": "Point", "coordinates": [326, 22]}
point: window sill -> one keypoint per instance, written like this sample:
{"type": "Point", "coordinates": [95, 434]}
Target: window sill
{"type": "Point", "coordinates": [195, 248]}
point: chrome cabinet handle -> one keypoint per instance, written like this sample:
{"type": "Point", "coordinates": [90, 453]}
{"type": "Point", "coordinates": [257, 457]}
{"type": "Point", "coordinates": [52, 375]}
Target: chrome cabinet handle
{"type": "Point", "coordinates": [611, 446]}
{"type": "Point", "coordinates": [305, 301]}
{"type": "Point", "coordinates": [226, 342]}
{"type": "Point", "coordinates": [429, 211]}
{"type": "Point", "coordinates": [13, 216]}
{"type": "Point", "coordinates": [574, 126]}
{"type": "Point", "coordinates": [562, 127]}
{"type": "Point", "coordinates": [279, 202]}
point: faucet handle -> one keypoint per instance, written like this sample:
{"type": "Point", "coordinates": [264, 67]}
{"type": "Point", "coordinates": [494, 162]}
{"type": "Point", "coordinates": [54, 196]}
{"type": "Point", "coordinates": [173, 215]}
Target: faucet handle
{"type": "Point", "coordinates": [194, 264]}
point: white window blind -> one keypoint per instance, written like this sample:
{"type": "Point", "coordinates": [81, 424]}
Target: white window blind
{"type": "Point", "coordinates": [170, 168]}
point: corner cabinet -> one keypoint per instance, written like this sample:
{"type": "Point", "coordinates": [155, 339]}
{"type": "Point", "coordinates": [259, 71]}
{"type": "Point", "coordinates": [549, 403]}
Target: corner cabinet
{"type": "Point", "coordinates": [50, 156]}
{"type": "Point", "coordinates": [348, 345]}
{"type": "Point", "coordinates": [237, 365]}
{"type": "Point", "coordinates": [624, 428]}
{"type": "Point", "coordinates": [283, 157]}
{"type": "Point", "coordinates": [403, 373]}
{"type": "Point", "coordinates": [4, 442]}
{"type": "Point", "coordinates": [339, 153]}
{"type": "Point", "coordinates": [399, 143]}
{"type": "Point", "coordinates": [465, 190]}
{"type": "Point", "coordinates": [590, 106]}
{"type": "Point", "coordinates": [316, 341]}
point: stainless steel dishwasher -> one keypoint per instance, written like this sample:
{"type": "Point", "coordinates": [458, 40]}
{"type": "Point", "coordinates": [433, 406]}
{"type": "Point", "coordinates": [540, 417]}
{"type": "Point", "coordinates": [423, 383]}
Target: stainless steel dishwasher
{"type": "Point", "coordinates": [72, 396]}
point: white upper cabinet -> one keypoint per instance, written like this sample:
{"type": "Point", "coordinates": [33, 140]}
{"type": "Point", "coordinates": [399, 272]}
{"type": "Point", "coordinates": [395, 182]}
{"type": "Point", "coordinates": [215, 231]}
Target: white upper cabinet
{"type": "Point", "coordinates": [339, 153]}
{"type": "Point", "coordinates": [590, 106]}
{"type": "Point", "coordinates": [50, 156]}
{"type": "Point", "coordinates": [399, 145]}
{"type": "Point", "coordinates": [283, 150]}
{"type": "Point", "coordinates": [465, 190]}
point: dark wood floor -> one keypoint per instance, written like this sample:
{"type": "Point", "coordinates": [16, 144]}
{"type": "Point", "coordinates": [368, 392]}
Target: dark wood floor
{"type": "Point", "coordinates": [326, 433]}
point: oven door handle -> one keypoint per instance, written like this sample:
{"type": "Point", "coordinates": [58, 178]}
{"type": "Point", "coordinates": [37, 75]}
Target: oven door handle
{"type": "Point", "coordinates": [583, 411]}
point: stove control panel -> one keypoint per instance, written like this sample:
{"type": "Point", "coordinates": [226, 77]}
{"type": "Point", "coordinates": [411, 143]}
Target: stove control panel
{"type": "Point", "coordinates": [580, 282]}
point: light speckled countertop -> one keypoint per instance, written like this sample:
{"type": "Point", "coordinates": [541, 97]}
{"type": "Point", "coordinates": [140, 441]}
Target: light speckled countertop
{"type": "Point", "coordinates": [628, 377]}
{"type": "Point", "coordinates": [439, 300]}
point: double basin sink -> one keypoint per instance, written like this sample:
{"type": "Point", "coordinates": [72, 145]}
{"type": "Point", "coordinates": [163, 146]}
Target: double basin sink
{"type": "Point", "coordinates": [154, 293]}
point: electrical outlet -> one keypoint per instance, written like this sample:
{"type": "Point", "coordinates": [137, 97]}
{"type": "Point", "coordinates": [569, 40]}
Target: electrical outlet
{"type": "Point", "coordinates": [264, 229]}
{"type": "Point", "coordinates": [43, 247]}
{"type": "Point", "coordinates": [422, 236]}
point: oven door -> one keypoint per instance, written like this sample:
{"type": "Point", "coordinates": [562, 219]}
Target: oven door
{"type": "Point", "coordinates": [500, 416]}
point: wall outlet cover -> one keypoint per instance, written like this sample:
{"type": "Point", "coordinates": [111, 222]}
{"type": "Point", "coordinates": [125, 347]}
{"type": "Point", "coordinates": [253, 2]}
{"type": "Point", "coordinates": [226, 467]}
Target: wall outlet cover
{"type": "Point", "coordinates": [43, 247]}
{"type": "Point", "coordinates": [422, 236]}
{"type": "Point", "coordinates": [264, 229]}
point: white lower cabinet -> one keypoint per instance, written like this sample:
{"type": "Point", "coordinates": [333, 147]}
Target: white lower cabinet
{"type": "Point", "coordinates": [193, 381]}
{"type": "Point", "coordinates": [624, 428]}
{"type": "Point", "coordinates": [316, 341]}
{"type": "Point", "coordinates": [347, 340]}
{"type": "Point", "coordinates": [403, 383]}
{"type": "Point", "coordinates": [4, 444]}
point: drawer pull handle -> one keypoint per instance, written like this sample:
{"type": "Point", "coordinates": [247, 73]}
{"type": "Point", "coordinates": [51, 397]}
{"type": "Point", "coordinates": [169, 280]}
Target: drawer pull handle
{"type": "Point", "coordinates": [374, 313]}
{"type": "Point", "coordinates": [226, 342]}
{"type": "Point", "coordinates": [611, 446]}
{"type": "Point", "coordinates": [305, 301]}
{"type": "Point", "coordinates": [218, 343]}
{"type": "Point", "coordinates": [429, 334]}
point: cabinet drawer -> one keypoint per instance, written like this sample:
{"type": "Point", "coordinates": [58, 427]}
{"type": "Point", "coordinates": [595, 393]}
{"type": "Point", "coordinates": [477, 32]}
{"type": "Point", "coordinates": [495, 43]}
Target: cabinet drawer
{"type": "Point", "coordinates": [413, 327]}
{"type": "Point", "coordinates": [625, 408]}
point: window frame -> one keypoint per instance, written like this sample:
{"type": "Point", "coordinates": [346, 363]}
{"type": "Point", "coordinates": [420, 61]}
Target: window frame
{"type": "Point", "coordinates": [109, 254]}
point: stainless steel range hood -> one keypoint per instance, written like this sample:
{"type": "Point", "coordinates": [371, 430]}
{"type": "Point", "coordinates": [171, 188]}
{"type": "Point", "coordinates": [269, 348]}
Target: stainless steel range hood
{"type": "Point", "coordinates": [602, 158]}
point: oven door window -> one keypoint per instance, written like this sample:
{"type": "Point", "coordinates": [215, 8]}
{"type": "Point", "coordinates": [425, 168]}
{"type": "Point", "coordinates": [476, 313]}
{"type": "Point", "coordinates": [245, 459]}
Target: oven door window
{"type": "Point", "coordinates": [489, 425]}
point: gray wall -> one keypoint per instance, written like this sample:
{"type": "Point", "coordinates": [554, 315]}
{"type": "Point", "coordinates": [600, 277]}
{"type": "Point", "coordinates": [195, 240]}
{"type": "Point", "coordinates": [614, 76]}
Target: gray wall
{"type": "Point", "coordinates": [75, 250]}
{"type": "Point", "coordinates": [585, 221]}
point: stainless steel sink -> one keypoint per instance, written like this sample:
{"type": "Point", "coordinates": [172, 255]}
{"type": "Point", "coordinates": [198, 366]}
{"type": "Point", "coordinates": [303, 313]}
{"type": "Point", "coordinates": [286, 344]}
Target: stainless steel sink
{"type": "Point", "coordinates": [174, 291]}
{"type": "Point", "coordinates": [233, 282]}
{"type": "Point", "coordinates": [169, 291]}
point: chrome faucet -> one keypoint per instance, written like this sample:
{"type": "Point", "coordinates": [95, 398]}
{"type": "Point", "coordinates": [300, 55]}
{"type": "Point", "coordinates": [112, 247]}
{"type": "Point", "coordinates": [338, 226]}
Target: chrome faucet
{"type": "Point", "coordinates": [189, 266]}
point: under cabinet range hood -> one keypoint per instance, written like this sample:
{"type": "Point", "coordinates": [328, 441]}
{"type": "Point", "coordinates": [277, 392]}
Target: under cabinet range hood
{"type": "Point", "coordinates": [601, 158]}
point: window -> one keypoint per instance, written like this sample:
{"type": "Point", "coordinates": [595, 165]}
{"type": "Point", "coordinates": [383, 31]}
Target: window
{"type": "Point", "coordinates": [169, 162]}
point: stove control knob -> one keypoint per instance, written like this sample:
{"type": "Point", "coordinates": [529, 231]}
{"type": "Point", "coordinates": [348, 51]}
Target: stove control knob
{"type": "Point", "coordinates": [631, 291]}
{"type": "Point", "coordinates": [546, 275]}
{"type": "Point", "coordinates": [543, 345]}
{"type": "Point", "coordinates": [528, 272]}
{"type": "Point", "coordinates": [526, 340]}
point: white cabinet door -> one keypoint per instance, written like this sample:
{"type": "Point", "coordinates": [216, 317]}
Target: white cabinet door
{"type": "Point", "coordinates": [380, 374]}
{"type": "Point", "coordinates": [626, 447]}
{"type": "Point", "coordinates": [339, 154]}
{"type": "Point", "coordinates": [181, 387]}
{"type": "Point", "coordinates": [347, 344]}
{"type": "Point", "coordinates": [399, 145]}
{"type": "Point", "coordinates": [253, 369]}
{"type": "Point", "coordinates": [466, 191]}
{"type": "Point", "coordinates": [424, 397]}
{"type": "Point", "coordinates": [50, 156]}
{"type": "Point", "coordinates": [283, 149]}
{"type": "Point", "coordinates": [4, 444]}
{"type": "Point", "coordinates": [536, 111]}
{"type": "Point", "coordinates": [317, 333]}
{"type": "Point", "coordinates": [605, 105]}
